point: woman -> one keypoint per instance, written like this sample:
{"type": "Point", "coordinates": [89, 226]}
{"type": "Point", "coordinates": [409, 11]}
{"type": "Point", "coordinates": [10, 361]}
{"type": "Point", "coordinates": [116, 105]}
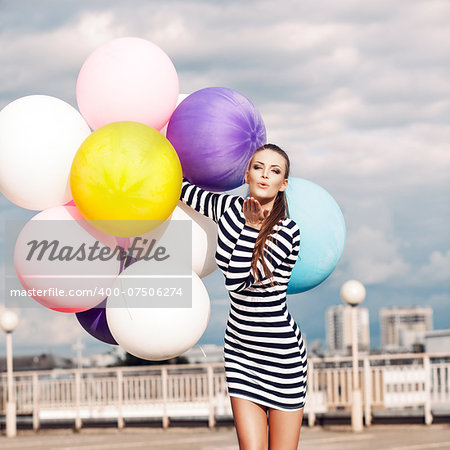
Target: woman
{"type": "Point", "coordinates": [265, 358]}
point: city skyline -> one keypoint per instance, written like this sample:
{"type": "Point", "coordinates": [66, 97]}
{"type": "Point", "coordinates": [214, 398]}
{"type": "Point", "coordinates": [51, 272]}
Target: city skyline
{"type": "Point", "coordinates": [358, 96]}
{"type": "Point", "coordinates": [85, 339]}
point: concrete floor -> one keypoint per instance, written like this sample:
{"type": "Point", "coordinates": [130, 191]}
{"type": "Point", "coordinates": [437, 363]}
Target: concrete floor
{"type": "Point", "coordinates": [385, 437]}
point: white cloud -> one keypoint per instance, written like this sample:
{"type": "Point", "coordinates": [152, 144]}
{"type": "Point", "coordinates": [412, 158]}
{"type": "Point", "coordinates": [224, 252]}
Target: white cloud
{"type": "Point", "coordinates": [96, 28]}
{"type": "Point", "coordinates": [48, 61]}
{"type": "Point", "coordinates": [437, 268]}
{"type": "Point", "coordinates": [440, 301]}
{"type": "Point", "coordinates": [373, 257]}
{"type": "Point", "coordinates": [59, 329]}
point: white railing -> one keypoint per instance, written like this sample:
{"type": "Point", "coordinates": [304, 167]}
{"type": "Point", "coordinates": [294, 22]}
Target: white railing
{"type": "Point", "coordinates": [199, 390]}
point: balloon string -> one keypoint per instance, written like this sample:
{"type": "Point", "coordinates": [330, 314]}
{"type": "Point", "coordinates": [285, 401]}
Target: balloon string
{"type": "Point", "coordinates": [123, 260]}
{"type": "Point", "coordinates": [124, 299]}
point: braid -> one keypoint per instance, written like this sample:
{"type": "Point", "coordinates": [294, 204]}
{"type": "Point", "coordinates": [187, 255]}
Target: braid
{"type": "Point", "coordinates": [279, 211]}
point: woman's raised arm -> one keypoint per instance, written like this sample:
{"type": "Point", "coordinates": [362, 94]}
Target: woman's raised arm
{"type": "Point", "coordinates": [210, 204]}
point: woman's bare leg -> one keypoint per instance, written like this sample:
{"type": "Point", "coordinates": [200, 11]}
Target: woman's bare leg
{"type": "Point", "coordinates": [284, 429]}
{"type": "Point", "coordinates": [250, 419]}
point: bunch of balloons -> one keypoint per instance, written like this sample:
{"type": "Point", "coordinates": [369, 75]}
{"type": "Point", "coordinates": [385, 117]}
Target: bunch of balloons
{"type": "Point", "coordinates": [113, 171]}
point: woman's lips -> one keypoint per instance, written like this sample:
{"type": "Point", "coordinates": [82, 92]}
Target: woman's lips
{"type": "Point", "coordinates": [263, 185]}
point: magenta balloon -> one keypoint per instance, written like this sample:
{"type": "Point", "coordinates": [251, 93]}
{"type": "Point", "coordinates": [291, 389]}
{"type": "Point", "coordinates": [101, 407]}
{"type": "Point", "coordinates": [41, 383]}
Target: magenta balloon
{"type": "Point", "coordinates": [215, 131]}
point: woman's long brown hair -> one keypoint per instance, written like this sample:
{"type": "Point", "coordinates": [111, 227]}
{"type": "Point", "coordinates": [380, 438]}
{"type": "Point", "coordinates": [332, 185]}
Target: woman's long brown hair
{"type": "Point", "coordinates": [279, 211]}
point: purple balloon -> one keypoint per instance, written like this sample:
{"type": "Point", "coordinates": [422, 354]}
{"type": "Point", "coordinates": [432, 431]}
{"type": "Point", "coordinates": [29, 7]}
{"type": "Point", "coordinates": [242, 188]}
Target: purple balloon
{"type": "Point", "coordinates": [94, 320]}
{"type": "Point", "coordinates": [215, 131]}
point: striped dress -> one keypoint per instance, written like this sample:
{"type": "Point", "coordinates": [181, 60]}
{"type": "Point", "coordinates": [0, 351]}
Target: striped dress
{"type": "Point", "coordinates": [265, 357]}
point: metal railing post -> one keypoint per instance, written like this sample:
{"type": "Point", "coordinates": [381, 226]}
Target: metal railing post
{"type": "Point", "coordinates": [427, 406]}
{"type": "Point", "coordinates": [164, 381]}
{"type": "Point", "coordinates": [211, 419]}
{"type": "Point", "coordinates": [311, 394]}
{"type": "Point", "coordinates": [36, 423]}
{"type": "Point", "coordinates": [120, 421]}
{"type": "Point", "coordinates": [367, 392]}
{"type": "Point", "coordinates": [78, 422]}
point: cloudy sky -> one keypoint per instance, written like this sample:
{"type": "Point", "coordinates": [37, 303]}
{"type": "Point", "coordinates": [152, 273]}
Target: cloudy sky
{"type": "Point", "coordinates": [356, 92]}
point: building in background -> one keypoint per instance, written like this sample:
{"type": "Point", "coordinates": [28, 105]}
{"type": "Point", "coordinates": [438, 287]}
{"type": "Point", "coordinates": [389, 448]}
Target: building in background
{"type": "Point", "coordinates": [437, 341]}
{"type": "Point", "coordinates": [339, 332]}
{"type": "Point", "coordinates": [43, 361]}
{"type": "Point", "coordinates": [403, 328]}
{"type": "Point", "coordinates": [114, 357]}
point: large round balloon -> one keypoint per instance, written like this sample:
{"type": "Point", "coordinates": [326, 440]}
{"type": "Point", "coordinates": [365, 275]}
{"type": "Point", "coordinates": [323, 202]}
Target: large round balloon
{"type": "Point", "coordinates": [94, 322]}
{"type": "Point", "coordinates": [124, 176]}
{"type": "Point", "coordinates": [60, 260]}
{"type": "Point", "coordinates": [128, 79]}
{"type": "Point", "coordinates": [150, 326]}
{"type": "Point", "coordinates": [105, 239]}
{"type": "Point", "coordinates": [322, 233]}
{"type": "Point", "coordinates": [215, 131]}
{"type": "Point", "coordinates": [204, 239]}
{"type": "Point", "coordinates": [39, 136]}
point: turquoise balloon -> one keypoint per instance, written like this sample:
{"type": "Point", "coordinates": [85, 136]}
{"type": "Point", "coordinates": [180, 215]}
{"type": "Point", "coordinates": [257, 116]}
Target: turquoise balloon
{"type": "Point", "coordinates": [322, 233]}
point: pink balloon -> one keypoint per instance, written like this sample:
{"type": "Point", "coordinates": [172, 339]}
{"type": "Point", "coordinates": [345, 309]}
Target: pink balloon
{"type": "Point", "coordinates": [69, 212]}
{"type": "Point", "coordinates": [127, 79]}
{"type": "Point", "coordinates": [53, 279]}
{"type": "Point", "coordinates": [104, 238]}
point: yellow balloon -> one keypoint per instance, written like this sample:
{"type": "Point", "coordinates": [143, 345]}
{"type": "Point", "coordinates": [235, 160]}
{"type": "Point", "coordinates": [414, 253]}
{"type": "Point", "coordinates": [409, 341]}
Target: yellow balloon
{"type": "Point", "coordinates": [124, 175]}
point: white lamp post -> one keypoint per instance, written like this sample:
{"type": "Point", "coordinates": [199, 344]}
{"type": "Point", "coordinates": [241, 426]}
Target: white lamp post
{"type": "Point", "coordinates": [353, 293]}
{"type": "Point", "coordinates": [8, 322]}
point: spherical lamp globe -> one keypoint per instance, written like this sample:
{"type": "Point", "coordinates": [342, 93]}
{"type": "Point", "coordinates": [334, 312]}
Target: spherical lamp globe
{"type": "Point", "coordinates": [353, 292]}
{"type": "Point", "coordinates": [8, 320]}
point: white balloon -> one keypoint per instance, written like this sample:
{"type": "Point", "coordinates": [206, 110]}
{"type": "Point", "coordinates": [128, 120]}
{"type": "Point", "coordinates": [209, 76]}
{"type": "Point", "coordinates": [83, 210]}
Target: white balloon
{"type": "Point", "coordinates": [204, 239]}
{"type": "Point", "coordinates": [181, 97]}
{"type": "Point", "coordinates": [143, 327]}
{"type": "Point", "coordinates": [39, 136]}
{"type": "Point", "coordinates": [63, 282]}
{"type": "Point", "coordinates": [142, 243]}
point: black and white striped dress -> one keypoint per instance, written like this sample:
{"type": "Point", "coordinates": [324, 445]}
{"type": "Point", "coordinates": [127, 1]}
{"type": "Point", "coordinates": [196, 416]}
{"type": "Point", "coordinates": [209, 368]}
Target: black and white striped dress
{"type": "Point", "coordinates": [265, 357]}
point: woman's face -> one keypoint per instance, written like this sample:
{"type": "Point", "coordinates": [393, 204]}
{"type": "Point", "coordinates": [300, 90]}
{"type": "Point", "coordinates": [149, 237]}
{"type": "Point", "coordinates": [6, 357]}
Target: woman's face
{"type": "Point", "coordinates": [266, 175]}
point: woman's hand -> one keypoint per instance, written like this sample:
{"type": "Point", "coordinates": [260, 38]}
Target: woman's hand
{"type": "Point", "coordinates": [254, 213]}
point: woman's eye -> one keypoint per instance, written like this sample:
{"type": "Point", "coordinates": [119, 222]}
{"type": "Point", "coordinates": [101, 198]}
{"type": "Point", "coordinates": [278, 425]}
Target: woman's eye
{"type": "Point", "coordinates": [276, 171]}
{"type": "Point", "coordinates": [257, 167]}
